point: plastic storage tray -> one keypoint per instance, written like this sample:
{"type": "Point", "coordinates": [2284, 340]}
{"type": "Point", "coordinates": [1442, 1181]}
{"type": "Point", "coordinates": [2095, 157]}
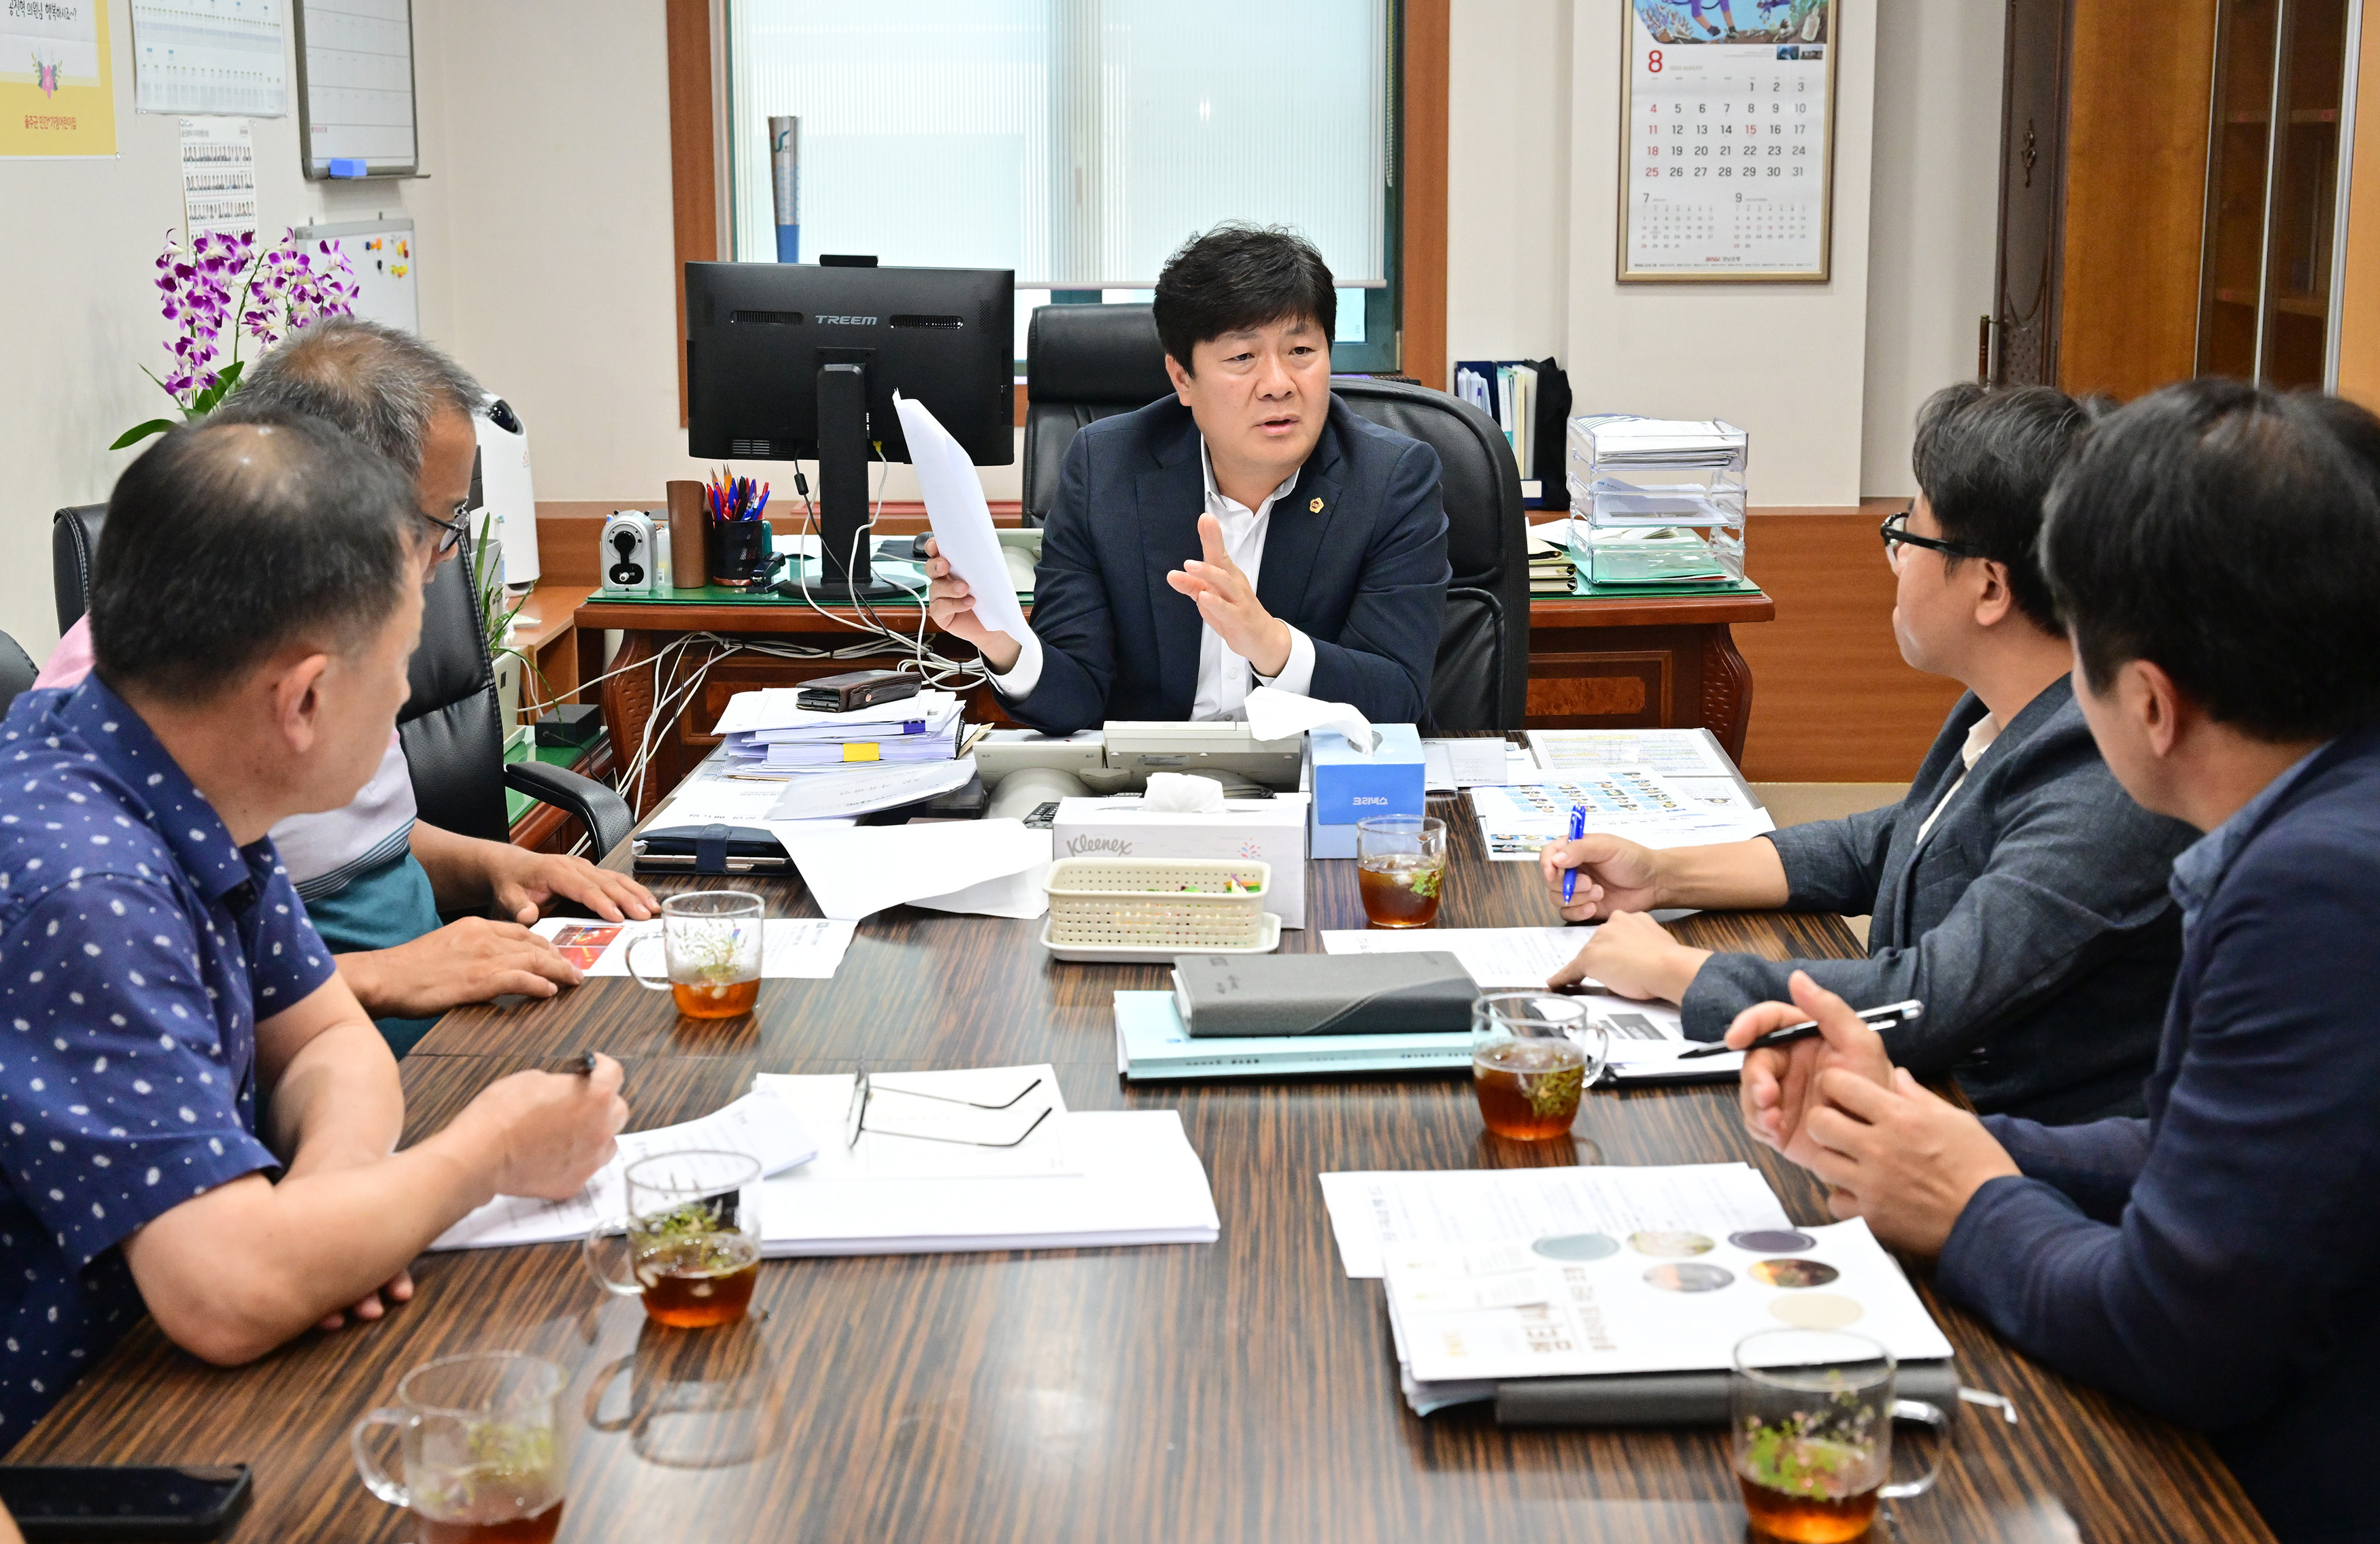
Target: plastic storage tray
{"type": "Point", "coordinates": [1158, 908]}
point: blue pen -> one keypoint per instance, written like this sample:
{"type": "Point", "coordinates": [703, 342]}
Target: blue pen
{"type": "Point", "coordinates": [1577, 830]}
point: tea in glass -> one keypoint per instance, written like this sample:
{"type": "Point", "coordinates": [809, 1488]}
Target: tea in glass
{"type": "Point", "coordinates": [483, 1456]}
{"type": "Point", "coordinates": [711, 940]}
{"type": "Point", "coordinates": [1812, 1413]}
{"type": "Point", "coordinates": [1532, 1056]}
{"type": "Point", "coordinates": [691, 1257]}
{"type": "Point", "coordinates": [1400, 868]}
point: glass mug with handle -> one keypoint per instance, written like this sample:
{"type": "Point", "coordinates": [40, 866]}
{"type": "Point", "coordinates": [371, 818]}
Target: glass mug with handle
{"type": "Point", "coordinates": [1531, 1055]}
{"type": "Point", "coordinates": [692, 1257]}
{"type": "Point", "coordinates": [483, 1453]}
{"type": "Point", "coordinates": [1811, 1413]}
{"type": "Point", "coordinates": [710, 940]}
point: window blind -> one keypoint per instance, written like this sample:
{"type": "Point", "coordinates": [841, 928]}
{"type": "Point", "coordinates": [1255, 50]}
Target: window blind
{"type": "Point", "coordinates": [1077, 141]}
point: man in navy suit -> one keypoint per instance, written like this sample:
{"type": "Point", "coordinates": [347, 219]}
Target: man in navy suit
{"type": "Point", "coordinates": [2216, 550]}
{"type": "Point", "coordinates": [1248, 530]}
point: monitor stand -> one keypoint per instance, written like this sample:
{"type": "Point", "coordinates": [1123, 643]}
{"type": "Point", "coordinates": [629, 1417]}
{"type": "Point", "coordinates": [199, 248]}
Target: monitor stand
{"type": "Point", "coordinates": [844, 543]}
{"type": "Point", "coordinates": [834, 590]}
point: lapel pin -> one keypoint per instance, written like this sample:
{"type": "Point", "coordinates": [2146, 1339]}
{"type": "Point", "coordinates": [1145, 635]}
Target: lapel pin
{"type": "Point", "coordinates": [1313, 508]}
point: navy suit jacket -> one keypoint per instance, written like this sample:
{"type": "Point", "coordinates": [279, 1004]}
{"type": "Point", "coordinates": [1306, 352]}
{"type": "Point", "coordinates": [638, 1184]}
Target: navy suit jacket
{"type": "Point", "coordinates": [2215, 1262]}
{"type": "Point", "coordinates": [1364, 575]}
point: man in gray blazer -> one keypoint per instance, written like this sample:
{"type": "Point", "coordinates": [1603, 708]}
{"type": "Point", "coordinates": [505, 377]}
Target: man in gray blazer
{"type": "Point", "coordinates": [2017, 892]}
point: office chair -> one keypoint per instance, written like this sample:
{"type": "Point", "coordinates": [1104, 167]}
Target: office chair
{"type": "Point", "coordinates": [1084, 363]}
{"type": "Point", "coordinates": [17, 671]}
{"type": "Point", "coordinates": [452, 724]}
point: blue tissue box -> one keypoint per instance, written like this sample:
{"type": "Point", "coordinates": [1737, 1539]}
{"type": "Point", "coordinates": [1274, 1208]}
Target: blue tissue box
{"type": "Point", "coordinates": [1349, 786]}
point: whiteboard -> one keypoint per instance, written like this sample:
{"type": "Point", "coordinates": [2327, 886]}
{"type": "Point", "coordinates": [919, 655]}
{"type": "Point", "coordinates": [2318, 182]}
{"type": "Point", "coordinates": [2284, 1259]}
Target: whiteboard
{"type": "Point", "coordinates": [355, 86]}
{"type": "Point", "coordinates": [381, 252]}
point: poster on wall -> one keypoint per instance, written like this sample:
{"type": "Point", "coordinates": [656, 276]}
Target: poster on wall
{"type": "Point", "coordinates": [218, 177]}
{"type": "Point", "coordinates": [58, 79]}
{"type": "Point", "coordinates": [1726, 140]}
{"type": "Point", "coordinates": [200, 57]}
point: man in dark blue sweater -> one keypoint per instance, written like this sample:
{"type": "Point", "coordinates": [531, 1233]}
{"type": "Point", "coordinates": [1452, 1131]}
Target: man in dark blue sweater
{"type": "Point", "coordinates": [2216, 550]}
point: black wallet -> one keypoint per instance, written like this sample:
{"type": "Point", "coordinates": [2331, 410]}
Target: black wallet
{"type": "Point", "coordinates": [711, 849]}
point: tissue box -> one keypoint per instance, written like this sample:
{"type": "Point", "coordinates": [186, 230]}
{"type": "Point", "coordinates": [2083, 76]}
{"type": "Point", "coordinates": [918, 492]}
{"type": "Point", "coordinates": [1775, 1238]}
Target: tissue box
{"type": "Point", "coordinates": [1348, 785]}
{"type": "Point", "coordinates": [1269, 831]}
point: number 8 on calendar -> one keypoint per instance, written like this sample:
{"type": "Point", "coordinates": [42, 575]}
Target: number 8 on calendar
{"type": "Point", "coordinates": [1726, 139]}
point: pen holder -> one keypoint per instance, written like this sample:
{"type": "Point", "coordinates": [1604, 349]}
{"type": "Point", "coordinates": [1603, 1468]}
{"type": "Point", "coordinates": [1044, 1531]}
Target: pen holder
{"type": "Point", "coordinates": [738, 548]}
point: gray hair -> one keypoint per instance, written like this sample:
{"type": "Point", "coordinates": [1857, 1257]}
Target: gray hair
{"type": "Point", "coordinates": [378, 384]}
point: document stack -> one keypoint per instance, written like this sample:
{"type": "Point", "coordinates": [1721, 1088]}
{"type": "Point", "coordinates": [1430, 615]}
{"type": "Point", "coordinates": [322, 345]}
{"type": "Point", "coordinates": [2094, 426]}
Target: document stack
{"type": "Point", "coordinates": [767, 734]}
{"type": "Point", "coordinates": [1658, 503]}
{"type": "Point", "coordinates": [1552, 571]}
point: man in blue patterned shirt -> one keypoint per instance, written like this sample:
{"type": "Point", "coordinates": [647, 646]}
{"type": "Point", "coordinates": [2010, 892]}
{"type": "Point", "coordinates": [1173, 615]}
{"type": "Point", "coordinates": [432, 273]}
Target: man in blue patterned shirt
{"type": "Point", "coordinates": [173, 1035]}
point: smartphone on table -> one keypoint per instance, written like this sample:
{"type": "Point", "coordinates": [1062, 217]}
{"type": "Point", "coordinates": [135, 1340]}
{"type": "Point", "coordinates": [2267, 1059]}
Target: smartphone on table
{"type": "Point", "coordinates": [123, 1501]}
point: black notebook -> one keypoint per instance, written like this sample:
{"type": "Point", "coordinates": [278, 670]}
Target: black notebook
{"type": "Point", "coordinates": [1237, 995]}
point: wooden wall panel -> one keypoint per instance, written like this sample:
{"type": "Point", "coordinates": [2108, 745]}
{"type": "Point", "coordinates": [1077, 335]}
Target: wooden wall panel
{"type": "Point", "coordinates": [2359, 313]}
{"type": "Point", "coordinates": [2135, 193]}
{"type": "Point", "coordinates": [694, 163]}
{"type": "Point", "coordinates": [1427, 29]}
{"type": "Point", "coordinates": [1832, 700]}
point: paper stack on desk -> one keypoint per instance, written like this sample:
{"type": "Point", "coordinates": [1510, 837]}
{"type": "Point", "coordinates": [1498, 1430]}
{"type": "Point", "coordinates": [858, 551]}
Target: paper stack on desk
{"type": "Point", "coordinates": [1126, 1177]}
{"type": "Point", "coordinates": [765, 731]}
{"type": "Point", "coordinates": [1629, 801]}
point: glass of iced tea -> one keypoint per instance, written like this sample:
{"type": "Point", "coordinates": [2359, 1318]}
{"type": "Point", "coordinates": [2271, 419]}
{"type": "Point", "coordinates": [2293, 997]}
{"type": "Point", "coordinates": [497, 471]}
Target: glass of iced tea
{"type": "Point", "coordinates": [1812, 1413]}
{"type": "Point", "coordinates": [693, 1254]}
{"type": "Point", "coordinates": [711, 940]}
{"type": "Point", "coordinates": [482, 1454]}
{"type": "Point", "coordinates": [1400, 868]}
{"type": "Point", "coordinates": [1531, 1055]}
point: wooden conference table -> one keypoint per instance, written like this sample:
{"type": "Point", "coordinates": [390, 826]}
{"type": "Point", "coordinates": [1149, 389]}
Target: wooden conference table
{"type": "Point", "coordinates": [1239, 1390]}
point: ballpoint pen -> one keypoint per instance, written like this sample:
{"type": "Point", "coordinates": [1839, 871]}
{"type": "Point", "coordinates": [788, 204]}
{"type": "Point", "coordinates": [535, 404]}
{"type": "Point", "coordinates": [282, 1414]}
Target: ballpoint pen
{"type": "Point", "coordinates": [1892, 1016]}
{"type": "Point", "coordinates": [1577, 830]}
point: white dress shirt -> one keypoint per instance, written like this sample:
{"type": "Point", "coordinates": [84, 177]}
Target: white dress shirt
{"type": "Point", "coordinates": [1980, 735]}
{"type": "Point", "coordinates": [1224, 683]}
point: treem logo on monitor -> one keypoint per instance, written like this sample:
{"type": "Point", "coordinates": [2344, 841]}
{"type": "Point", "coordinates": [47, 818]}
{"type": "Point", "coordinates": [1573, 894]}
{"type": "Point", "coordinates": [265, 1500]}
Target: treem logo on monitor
{"type": "Point", "coordinates": [826, 321]}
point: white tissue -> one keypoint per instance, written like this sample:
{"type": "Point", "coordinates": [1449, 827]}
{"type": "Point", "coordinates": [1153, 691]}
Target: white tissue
{"type": "Point", "coordinates": [1181, 793]}
{"type": "Point", "coordinates": [1274, 714]}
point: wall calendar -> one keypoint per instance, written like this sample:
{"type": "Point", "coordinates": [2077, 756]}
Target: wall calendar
{"type": "Point", "coordinates": [1727, 149]}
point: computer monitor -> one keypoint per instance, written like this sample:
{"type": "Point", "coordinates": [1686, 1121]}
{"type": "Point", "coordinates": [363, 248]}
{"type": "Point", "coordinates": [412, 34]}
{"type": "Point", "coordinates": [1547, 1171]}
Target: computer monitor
{"type": "Point", "coordinates": [795, 362]}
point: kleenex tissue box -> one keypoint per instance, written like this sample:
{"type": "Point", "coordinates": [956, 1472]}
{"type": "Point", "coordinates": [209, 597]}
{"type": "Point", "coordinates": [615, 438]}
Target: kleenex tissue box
{"type": "Point", "coordinates": [1267, 830]}
{"type": "Point", "coordinates": [1348, 785]}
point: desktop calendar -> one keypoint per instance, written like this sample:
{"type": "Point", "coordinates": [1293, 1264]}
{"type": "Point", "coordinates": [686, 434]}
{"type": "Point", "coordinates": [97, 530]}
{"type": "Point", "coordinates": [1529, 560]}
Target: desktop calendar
{"type": "Point", "coordinates": [1728, 139]}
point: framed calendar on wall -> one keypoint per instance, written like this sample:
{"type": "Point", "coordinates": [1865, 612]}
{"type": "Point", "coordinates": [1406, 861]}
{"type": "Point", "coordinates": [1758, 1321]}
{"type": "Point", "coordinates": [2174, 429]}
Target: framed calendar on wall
{"type": "Point", "coordinates": [1727, 142]}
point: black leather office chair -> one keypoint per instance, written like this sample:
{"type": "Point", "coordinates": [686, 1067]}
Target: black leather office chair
{"type": "Point", "coordinates": [1085, 362]}
{"type": "Point", "coordinates": [452, 726]}
{"type": "Point", "coordinates": [1082, 363]}
{"type": "Point", "coordinates": [17, 671]}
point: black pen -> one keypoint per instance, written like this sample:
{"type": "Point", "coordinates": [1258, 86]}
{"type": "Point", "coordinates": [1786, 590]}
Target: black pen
{"type": "Point", "coordinates": [1891, 1016]}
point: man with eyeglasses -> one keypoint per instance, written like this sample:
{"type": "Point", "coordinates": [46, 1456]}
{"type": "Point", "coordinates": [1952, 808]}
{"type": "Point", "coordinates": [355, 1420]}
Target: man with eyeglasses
{"type": "Point", "coordinates": [373, 875]}
{"type": "Point", "coordinates": [2017, 892]}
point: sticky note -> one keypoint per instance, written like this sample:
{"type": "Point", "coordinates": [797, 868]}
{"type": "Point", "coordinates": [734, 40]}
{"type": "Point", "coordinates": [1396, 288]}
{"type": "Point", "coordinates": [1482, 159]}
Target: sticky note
{"type": "Point", "coordinates": [866, 750]}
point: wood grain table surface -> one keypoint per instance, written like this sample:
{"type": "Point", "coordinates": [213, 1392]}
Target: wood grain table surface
{"type": "Point", "coordinates": [1240, 1391]}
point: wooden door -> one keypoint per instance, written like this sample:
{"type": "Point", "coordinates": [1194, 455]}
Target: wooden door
{"type": "Point", "coordinates": [2032, 171]}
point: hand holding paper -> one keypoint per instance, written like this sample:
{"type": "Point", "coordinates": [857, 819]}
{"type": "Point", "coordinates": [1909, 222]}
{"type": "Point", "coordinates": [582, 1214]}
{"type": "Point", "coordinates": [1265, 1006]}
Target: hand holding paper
{"type": "Point", "coordinates": [1275, 714]}
{"type": "Point", "coordinates": [971, 593]}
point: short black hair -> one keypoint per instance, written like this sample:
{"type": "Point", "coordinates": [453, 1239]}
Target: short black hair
{"type": "Point", "coordinates": [226, 542]}
{"type": "Point", "coordinates": [2230, 536]}
{"type": "Point", "coordinates": [1984, 459]}
{"type": "Point", "coordinates": [1238, 276]}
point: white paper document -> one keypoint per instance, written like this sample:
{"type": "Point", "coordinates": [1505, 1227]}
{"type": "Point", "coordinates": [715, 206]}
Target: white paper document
{"type": "Point", "coordinates": [962, 1124]}
{"type": "Point", "coordinates": [736, 801]}
{"type": "Point", "coordinates": [1497, 958]}
{"type": "Point", "coordinates": [962, 520]}
{"type": "Point", "coordinates": [1631, 801]}
{"type": "Point", "coordinates": [1473, 764]}
{"type": "Point", "coordinates": [759, 1124]}
{"type": "Point", "coordinates": [1596, 1301]}
{"type": "Point", "coordinates": [825, 796]}
{"type": "Point", "coordinates": [1671, 752]}
{"type": "Point", "coordinates": [992, 868]}
{"type": "Point", "coordinates": [1385, 1211]}
{"type": "Point", "coordinates": [791, 948]}
{"type": "Point", "coordinates": [1140, 1183]}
